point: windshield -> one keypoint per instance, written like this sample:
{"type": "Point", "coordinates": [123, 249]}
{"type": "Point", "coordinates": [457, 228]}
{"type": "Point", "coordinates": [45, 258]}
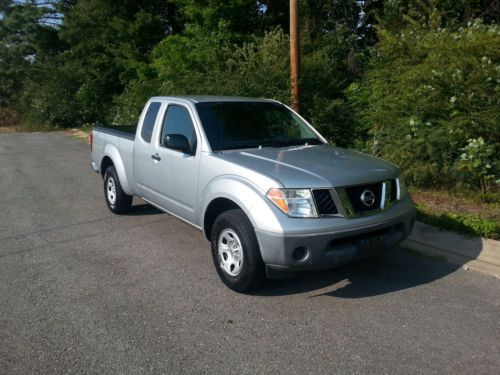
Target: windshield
{"type": "Point", "coordinates": [233, 125]}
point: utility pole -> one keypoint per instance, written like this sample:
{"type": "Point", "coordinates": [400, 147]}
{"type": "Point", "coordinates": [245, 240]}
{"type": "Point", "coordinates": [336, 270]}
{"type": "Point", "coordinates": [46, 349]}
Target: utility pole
{"type": "Point", "coordinates": [294, 53]}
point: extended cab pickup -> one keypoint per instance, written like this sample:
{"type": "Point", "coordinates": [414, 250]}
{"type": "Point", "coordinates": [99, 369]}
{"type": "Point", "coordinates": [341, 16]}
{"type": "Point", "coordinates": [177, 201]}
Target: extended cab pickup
{"type": "Point", "coordinates": [267, 190]}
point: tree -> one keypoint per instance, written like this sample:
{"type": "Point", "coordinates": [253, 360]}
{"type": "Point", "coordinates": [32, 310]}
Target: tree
{"type": "Point", "coordinates": [237, 16]}
{"type": "Point", "coordinates": [108, 43]}
{"type": "Point", "coordinates": [219, 53]}
{"type": "Point", "coordinates": [26, 36]}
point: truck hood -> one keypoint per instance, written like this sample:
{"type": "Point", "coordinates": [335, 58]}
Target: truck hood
{"type": "Point", "coordinates": [313, 166]}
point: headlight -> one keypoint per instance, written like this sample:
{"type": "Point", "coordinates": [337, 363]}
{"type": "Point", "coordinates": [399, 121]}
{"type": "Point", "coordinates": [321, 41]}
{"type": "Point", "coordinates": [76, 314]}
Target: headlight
{"type": "Point", "coordinates": [293, 202]}
{"type": "Point", "coordinates": [402, 192]}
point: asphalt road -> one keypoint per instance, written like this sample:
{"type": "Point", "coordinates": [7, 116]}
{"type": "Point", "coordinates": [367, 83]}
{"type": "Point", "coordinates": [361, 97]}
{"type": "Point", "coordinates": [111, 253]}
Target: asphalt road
{"type": "Point", "coordinates": [84, 291]}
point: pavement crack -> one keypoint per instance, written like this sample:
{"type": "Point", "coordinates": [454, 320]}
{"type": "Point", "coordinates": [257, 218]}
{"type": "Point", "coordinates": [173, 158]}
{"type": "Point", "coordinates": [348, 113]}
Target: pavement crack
{"type": "Point", "coordinates": [42, 231]}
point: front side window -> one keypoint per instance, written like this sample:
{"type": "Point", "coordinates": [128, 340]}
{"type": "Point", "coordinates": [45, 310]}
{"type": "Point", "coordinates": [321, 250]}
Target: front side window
{"type": "Point", "coordinates": [149, 121]}
{"type": "Point", "coordinates": [178, 121]}
{"type": "Point", "coordinates": [233, 125]}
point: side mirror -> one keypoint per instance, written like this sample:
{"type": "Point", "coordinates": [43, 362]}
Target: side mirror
{"type": "Point", "coordinates": [178, 142]}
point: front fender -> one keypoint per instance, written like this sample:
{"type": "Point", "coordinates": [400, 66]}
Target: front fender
{"type": "Point", "coordinates": [247, 196]}
{"type": "Point", "coordinates": [112, 152]}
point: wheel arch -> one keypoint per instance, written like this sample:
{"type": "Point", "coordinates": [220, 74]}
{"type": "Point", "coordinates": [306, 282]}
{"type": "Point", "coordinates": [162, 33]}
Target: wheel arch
{"type": "Point", "coordinates": [215, 208]}
{"type": "Point", "coordinates": [112, 157]}
{"type": "Point", "coordinates": [106, 162]}
{"type": "Point", "coordinates": [229, 192]}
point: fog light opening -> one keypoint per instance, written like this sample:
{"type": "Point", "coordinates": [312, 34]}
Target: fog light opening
{"type": "Point", "coordinates": [301, 253]}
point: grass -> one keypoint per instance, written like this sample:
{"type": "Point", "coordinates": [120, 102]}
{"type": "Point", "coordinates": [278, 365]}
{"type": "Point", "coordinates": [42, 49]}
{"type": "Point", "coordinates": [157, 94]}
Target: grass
{"type": "Point", "coordinates": [462, 212]}
{"type": "Point", "coordinates": [27, 129]}
{"type": "Point", "coordinates": [82, 134]}
{"type": "Point", "coordinates": [465, 224]}
{"type": "Point", "coordinates": [8, 129]}
{"type": "Point", "coordinates": [11, 126]}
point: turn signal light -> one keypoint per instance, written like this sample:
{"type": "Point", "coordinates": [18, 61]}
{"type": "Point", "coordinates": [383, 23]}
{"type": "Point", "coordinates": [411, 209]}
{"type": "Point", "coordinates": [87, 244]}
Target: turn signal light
{"type": "Point", "coordinates": [277, 197]}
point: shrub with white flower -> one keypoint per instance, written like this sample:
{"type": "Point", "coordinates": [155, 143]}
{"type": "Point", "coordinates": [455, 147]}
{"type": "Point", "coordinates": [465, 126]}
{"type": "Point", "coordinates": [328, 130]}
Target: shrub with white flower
{"type": "Point", "coordinates": [478, 161]}
{"type": "Point", "coordinates": [431, 98]}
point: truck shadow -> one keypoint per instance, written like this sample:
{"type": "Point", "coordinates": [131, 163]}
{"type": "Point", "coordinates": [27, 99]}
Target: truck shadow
{"type": "Point", "coordinates": [394, 270]}
{"type": "Point", "coordinates": [143, 209]}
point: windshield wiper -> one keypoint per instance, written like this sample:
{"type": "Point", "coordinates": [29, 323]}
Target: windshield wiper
{"type": "Point", "coordinates": [292, 142]}
{"type": "Point", "coordinates": [312, 141]}
{"type": "Point", "coordinates": [271, 143]}
{"type": "Point", "coordinates": [236, 146]}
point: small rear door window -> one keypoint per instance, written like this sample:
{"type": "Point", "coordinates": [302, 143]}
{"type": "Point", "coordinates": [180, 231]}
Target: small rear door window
{"type": "Point", "coordinates": [149, 121]}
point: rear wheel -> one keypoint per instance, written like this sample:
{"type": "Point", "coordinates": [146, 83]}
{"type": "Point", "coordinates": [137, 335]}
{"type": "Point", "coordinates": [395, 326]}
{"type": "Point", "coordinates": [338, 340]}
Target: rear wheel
{"type": "Point", "coordinates": [235, 251]}
{"type": "Point", "coordinates": [118, 202]}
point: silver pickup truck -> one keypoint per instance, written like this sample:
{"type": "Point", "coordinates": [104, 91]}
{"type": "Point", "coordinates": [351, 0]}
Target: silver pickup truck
{"type": "Point", "coordinates": [263, 185]}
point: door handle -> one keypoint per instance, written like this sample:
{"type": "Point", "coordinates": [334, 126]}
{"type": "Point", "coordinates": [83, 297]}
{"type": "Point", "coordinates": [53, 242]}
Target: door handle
{"type": "Point", "coordinates": [156, 157]}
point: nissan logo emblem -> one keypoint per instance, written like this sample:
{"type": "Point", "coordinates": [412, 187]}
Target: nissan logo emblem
{"type": "Point", "coordinates": [367, 198]}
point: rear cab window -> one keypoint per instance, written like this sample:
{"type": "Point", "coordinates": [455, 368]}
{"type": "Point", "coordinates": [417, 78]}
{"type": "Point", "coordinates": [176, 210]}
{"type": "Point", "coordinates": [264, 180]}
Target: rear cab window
{"type": "Point", "coordinates": [149, 121]}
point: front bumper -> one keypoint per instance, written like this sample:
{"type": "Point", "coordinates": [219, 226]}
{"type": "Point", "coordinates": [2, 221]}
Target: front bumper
{"type": "Point", "coordinates": [347, 240]}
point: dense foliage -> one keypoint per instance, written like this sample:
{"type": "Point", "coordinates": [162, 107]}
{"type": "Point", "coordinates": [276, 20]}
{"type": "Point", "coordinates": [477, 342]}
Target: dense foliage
{"type": "Point", "coordinates": [413, 81]}
{"type": "Point", "coordinates": [429, 101]}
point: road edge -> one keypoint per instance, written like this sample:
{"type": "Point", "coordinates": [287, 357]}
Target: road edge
{"type": "Point", "coordinates": [478, 264]}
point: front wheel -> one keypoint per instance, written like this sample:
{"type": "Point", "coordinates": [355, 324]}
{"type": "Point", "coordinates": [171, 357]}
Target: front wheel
{"type": "Point", "coordinates": [235, 251]}
{"type": "Point", "coordinates": [118, 202]}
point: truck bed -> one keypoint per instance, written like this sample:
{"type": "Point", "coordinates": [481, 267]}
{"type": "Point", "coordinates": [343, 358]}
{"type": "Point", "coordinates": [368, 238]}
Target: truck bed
{"type": "Point", "coordinates": [123, 131]}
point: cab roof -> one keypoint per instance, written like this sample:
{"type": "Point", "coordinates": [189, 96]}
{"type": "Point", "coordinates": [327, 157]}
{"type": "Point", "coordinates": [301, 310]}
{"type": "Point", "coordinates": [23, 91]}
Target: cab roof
{"type": "Point", "coordinates": [214, 98]}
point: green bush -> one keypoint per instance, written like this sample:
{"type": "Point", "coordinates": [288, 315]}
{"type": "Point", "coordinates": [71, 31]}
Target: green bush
{"type": "Point", "coordinates": [52, 101]}
{"type": "Point", "coordinates": [430, 103]}
{"type": "Point", "coordinates": [467, 224]}
{"type": "Point", "coordinates": [8, 117]}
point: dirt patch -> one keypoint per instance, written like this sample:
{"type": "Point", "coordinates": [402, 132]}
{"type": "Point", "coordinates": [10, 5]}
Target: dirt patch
{"type": "Point", "coordinates": [79, 134]}
{"type": "Point", "coordinates": [8, 129]}
{"type": "Point", "coordinates": [448, 202]}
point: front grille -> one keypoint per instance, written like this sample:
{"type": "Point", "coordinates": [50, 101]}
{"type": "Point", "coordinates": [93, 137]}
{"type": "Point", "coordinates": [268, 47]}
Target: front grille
{"type": "Point", "coordinates": [355, 193]}
{"type": "Point", "coordinates": [394, 190]}
{"type": "Point", "coordinates": [324, 202]}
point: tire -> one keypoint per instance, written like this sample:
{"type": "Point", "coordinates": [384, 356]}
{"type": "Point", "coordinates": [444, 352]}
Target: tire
{"type": "Point", "coordinates": [118, 202]}
{"type": "Point", "coordinates": [233, 233]}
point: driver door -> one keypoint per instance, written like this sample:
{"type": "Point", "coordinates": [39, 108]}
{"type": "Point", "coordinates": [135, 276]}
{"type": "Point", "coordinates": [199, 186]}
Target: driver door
{"type": "Point", "coordinates": [175, 181]}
